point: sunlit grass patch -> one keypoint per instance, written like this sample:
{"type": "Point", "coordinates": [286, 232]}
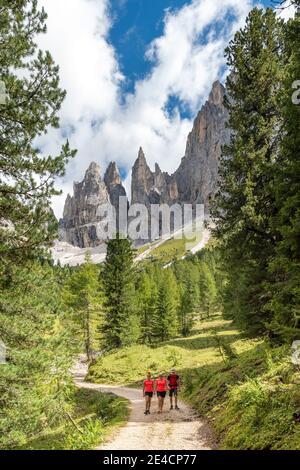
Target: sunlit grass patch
{"type": "Point", "coordinates": [94, 418]}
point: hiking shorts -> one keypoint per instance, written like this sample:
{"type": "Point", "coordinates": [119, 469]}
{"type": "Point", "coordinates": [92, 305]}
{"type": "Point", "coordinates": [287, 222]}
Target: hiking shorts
{"type": "Point", "coordinates": [149, 394]}
{"type": "Point", "coordinates": [161, 394]}
{"type": "Point", "coordinates": [173, 392]}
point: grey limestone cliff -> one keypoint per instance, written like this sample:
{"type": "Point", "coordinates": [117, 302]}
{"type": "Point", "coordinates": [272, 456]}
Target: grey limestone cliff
{"type": "Point", "coordinates": [195, 181]}
{"type": "Point", "coordinates": [80, 215]}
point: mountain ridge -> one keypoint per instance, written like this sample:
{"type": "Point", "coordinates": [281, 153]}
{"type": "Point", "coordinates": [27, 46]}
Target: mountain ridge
{"type": "Point", "coordinates": [195, 181]}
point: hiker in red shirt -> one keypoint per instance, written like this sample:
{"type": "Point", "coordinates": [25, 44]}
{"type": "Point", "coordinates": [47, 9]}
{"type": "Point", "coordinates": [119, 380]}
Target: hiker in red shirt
{"type": "Point", "coordinates": [161, 386]}
{"type": "Point", "coordinates": [174, 383]}
{"type": "Point", "coordinates": [148, 389]}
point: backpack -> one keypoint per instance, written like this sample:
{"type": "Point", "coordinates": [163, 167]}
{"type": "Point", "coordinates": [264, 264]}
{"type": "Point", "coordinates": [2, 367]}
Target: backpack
{"type": "Point", "coordinates": [173, 380]}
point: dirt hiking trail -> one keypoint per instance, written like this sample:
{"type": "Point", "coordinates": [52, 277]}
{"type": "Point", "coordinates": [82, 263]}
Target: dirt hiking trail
{"type": "Point", "coordinates": [171, 430]}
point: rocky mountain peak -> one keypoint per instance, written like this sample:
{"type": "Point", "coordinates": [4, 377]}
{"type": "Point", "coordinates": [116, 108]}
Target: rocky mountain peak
{"type": "Point", "coordinates": [197, 175]}
{"type": "Point", "coordinates": [195, 181]}
{"type": "Point", "coordinates": [112, 175]}
{"type": "Point", "coordinates": [157, 169]}
{"type": "Point", "coordinates": [93, 171]}
{"type": "Point", "coordinates": [141, 159]}
{"type": "Point", "coordinates": [80, 215]}
{"type": "Point", "coordinates": [216, 95]}
{"type": "Point", "coordinates": [149, 187]}
{"type": "Point", "coordinates": [114, 185]}
{"type": "Point", "coordinates": [142, 180]}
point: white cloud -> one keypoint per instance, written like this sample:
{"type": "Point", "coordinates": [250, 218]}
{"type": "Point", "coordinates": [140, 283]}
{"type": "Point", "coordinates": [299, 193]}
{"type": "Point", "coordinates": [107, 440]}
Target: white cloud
{"type": "Point", "coordinates": [77, 31]}
{"type": "Point", "coordinates": [186, 59]}
{"type": "Point", "coordinates": [287, 11]}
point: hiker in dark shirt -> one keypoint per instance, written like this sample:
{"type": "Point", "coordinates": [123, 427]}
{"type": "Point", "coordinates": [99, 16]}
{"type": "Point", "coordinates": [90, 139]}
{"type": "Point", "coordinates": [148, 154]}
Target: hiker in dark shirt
{"type": "Point", "coordinates": [173, 383]}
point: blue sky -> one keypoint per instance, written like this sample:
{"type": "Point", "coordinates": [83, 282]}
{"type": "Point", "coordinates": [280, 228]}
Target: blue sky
{"type": "Point", "coordinates": [135, 24]}
{"type": "Point", "coordinates": [136, 73]}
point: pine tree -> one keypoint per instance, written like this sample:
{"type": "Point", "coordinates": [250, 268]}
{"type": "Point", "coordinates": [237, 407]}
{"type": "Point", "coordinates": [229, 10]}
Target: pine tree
{"type": "Point", "coordinates": [284, 291]}
{"type": "Point", "coordinates": [166, 322]}
{"type": "Point", "coordinates": [35, 383]}
{"type": "Point", "coordinates": [33, 99]}
{"type": "Point", "coordinates": [189, 298]}
{"type": "Point", "coordinates": [245, 204]}
{"type": "Point", "coordinates": [118, 286]}
{"type": "Point", "coordinates": [208, 289]}
{"type": "Point", "coordinates": [147, 300]}
{"type": "Point", "coordinates": [82, 294]}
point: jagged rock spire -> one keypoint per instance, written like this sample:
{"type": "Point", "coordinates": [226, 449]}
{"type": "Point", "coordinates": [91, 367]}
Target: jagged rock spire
{"type": "Point", "coordinates": [112, 175]}
{"type": "Point", "coordinates": [141, 159]}
{"type": "Point", "coordinates": [141, 155]}
{"type": "Point", "coordinates": [94, 170]}
{"type": "Point", "coordinates": [216, 95]}
{"type": "Point", "coordinates": [114, 186]}
{"type": "Point", "coordinates": [149, 187]}
{"type": "Point", "coordinates": [195, 181]}
{"type": "Point", "coordinates": [79, 223]}
{"type": "Point", "coordinates": [197, 175]}
{"type": "Point", "coordinates": [142, 179]}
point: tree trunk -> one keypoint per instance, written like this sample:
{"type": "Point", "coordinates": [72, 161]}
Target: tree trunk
{"type": "Point", "coordinates": [88, 336]}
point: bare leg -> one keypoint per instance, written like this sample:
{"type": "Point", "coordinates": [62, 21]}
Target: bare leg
{"type": "Point", "coordinates": [159, 404]}
{"type": "Point", "coordinates": [176, 400]}
{"type": "Point", "coordinates": [148, 403]}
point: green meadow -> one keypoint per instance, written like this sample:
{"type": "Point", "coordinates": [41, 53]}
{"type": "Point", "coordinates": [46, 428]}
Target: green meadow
{"type": "Point", "coordinates": [247, 389]}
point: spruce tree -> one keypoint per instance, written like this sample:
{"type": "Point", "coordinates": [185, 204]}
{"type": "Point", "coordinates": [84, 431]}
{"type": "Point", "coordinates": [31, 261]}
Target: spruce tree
{"type": "Point", "coordinates": [208, 289]}
{"type": "Point", "coordinates": [147, 300]}
{"type": "Point", "coordinates": [120, 319]}
{"type": "Point", "coordinates": [245, 204]}
{"type": "Point", "coordinates": [189, 298]}
{"type": "Point", "coordinates": [283, 291]}
{"type": "Point", "coordinates": [166, 322]}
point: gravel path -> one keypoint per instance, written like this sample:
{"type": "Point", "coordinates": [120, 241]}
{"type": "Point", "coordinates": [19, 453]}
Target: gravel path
{"type": "Point", "coordinates": [171, 430]}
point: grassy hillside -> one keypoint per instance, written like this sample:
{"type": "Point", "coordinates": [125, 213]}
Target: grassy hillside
{"type": "Point", "coordinates": [249, 391]}
{"type": "Point", "coordinates": [252, 400]}
{"type": "Point", "coordinates": [95, 417]}
{"type": "Point", "coordinates": [129, 365]}
{"type": "Point", "coordinates": [170, 249]}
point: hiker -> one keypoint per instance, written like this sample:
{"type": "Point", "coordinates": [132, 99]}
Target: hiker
{"type": "Point", "coordinates": [148, 390]}
{"type": "Point", "coordinates": [173, 383]}
{"type": "Point", "coordinates": [161, 386]}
